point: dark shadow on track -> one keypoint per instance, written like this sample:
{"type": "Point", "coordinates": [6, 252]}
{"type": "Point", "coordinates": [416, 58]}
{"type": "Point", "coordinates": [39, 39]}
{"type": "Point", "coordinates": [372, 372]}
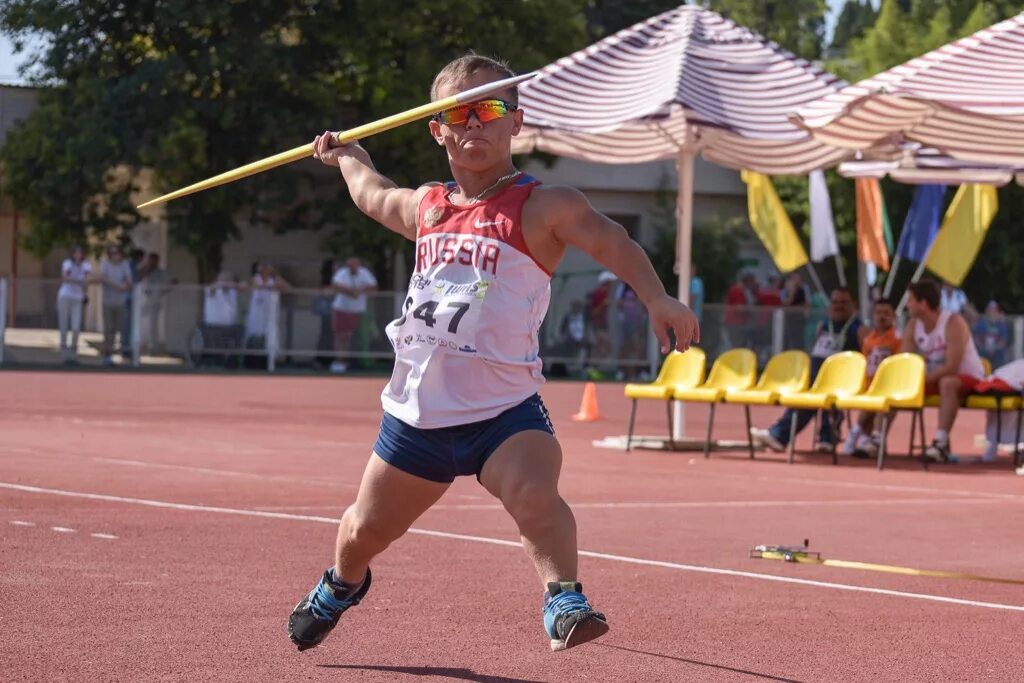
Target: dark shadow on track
{"type": "Point", "coordinates": [720, 667]}
{"type": "Point", "coordinates": [453, 674]}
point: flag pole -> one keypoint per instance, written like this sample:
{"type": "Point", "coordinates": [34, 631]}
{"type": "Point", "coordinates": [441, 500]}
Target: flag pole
{"type": "Point", "coordinates": [839, 269]}
{"type": "Point", "coordinates": [890, 279]}
{"type": "Point", "coordinates": [814, 278]}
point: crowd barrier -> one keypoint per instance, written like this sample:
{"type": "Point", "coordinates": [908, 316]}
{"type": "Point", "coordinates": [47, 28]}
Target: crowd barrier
{"type": "Point", "coordinates": [169, 323]}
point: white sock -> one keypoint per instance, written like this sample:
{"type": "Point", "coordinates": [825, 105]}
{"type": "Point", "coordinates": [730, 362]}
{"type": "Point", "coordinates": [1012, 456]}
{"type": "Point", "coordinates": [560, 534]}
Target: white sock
{"type": "Point", "coordinates": [852, 436]}
{"type": "Point", "coordinates": [942, 437]}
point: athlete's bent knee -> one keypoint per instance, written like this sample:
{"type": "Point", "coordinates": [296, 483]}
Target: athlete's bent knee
{"type": "Point", "coordinates": [367, 533]}
{"type": "Point", "coordinates": [531, 504]}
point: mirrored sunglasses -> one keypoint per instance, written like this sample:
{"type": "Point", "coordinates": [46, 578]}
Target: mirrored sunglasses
{"type": "Point", "coordinates": [485, 111]}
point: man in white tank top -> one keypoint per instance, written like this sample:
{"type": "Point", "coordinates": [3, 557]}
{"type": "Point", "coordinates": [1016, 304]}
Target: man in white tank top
{"type": "Point", "coordinates": [463, 395]}
{"type": "Point", "coordinates": [953, 366]}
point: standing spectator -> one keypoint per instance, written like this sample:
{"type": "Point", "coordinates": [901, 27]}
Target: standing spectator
{"type": "Point", "coordinates": [599, 308]}
{"type": "Point", "coordinates": [839, 333]}
{"type": "Point", "coordinates": [992, 334]}
{"type": "Point", "coordinates": [116, 276]}
{"type": "Point", "coordinates": [155, 286]}
{"type": "Point", "coordinates": [877, 344]}
{"type": "Point", "coordinates": [798, 302]}
{"type": "Point", "coordinates": [135, 259]}
{"type": "Point", "coordinates": [264, 282]}
{"type": "Point", "coordinates": [574, 337]}
{"type": "Point", "coordinates": [953, 365]}
{"type": "Point", "coordinates": [350, 284]}
{"type": "Point", "coordinates": [75, 273]}
{"type": "Point", "coordinates": [739, 300]}
{"type": "Point", "coordinates": [696, 292]}
{"type": "Point", "coordinates": [952, 299]}
{"type": "Point", "coordinates": [323, 308]}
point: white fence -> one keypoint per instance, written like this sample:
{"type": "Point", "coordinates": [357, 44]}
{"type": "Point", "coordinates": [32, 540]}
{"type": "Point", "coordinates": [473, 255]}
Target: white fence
{"type": "Point", "coordinates": [261, 329]}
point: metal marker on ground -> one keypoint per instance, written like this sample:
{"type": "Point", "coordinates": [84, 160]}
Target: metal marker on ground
{"type": "Point", "coordinates": [351, 135]}
{"type": "Point", "coordinates": [801, 555]}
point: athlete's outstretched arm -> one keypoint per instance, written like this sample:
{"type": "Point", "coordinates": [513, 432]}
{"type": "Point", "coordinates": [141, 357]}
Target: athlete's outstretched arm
{"type": "Point", "coordinates": [574, 222]}
{"type": "Point", "coordinates": [375, 195]}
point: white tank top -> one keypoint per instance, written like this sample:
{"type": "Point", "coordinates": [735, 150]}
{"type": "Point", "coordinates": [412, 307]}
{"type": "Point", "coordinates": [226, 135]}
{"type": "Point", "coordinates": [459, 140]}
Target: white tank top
{"type": "Point", "coordinates": [932, 345]}
{"type": "Point", "coordinates": [466, 348]}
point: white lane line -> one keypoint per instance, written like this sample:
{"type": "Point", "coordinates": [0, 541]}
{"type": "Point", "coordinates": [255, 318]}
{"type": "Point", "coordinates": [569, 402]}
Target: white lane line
{"type": "Point", "coordinates": [104, 536]}
{"type": "Point", "coordinates": [223, 473]}
{"type": "Point", "coordinates": [63, 529]}
{"type": "Point", "coordinates": [644, 505]}
{"type": "Point", "coordinates": [18, 522]}
{"type": "Point", "coordinates": [516, 544]}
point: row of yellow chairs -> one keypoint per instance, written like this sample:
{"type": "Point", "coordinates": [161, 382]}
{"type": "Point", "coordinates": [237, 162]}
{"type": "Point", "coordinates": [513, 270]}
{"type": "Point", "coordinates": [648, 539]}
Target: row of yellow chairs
{"type": "Point", "coordinates": [839, 385]}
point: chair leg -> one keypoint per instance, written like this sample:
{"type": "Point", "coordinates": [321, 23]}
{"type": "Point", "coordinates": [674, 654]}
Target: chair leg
{"type": "Point", "coordinates": [792, 436]}
{"type": "Point", "coordinates": [671, 427]}
{"type": "Point", "coordinates": [707, 441]}
{"type": "Point", "coordinates": [920, 416]}
{"type": "Point", "coordinates": [750, 437]}
{"type": "Point", "coordinates": [632, 419]}
{"type": "Point", "coordinates": [833, 432]}
{"type": "Point", "coordinates": [913, 433]}
{"type": "Point", "coordinates": [1016, 440]}
{"type": "Point", "coordinates": [814, 435]}
{"type": "Point", "coordinates": [881, 446]}
{"type": "Point", "coordinates": [999, 421]}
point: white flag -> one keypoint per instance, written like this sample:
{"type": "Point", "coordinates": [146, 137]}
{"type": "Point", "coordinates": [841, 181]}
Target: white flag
{"type": "Point", "coordinates": [823, 228]}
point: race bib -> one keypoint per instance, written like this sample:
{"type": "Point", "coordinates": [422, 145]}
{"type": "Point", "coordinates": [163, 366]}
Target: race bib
{"type": "Point", "coordinates": [825, 346]}
{"type": "Point", "coordinates": [439, 313]}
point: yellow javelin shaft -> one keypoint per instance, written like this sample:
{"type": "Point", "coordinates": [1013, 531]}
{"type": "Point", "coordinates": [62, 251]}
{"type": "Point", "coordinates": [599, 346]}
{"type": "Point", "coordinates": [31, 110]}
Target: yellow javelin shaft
{"type": "Point", "coordinates": [891, 569]}
{"type": "Point", "coordinates": [351, 135]}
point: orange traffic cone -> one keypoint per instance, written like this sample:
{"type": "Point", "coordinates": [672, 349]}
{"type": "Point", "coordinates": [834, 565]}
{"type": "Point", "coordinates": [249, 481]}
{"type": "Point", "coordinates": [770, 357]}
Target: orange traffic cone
{"type": "Point", "coordinates": [589, 412]}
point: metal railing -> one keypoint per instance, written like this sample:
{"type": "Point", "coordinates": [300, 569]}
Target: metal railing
{"type": "Point", "coordinates": [198, 326]}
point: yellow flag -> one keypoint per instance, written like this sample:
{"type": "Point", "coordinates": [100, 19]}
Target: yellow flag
{"type": "Point", "coordinates": [962, 232]}
{"type": "Point", "coordinates": [771, 223]}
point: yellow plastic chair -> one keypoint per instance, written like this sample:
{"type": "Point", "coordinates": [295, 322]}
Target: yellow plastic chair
{"type": "Point", "coordinates": [786, 373]}
{"type": "Point", "coordinates": [684, 369]}
{"type": "Point", "coordinates": [841, 374]}
{"type": "Point", "coordinates": [898, 385]}
{"type": "Point", "coordinates": [998, 404]}
{"type": "Point", "coordinates": [734, 370]}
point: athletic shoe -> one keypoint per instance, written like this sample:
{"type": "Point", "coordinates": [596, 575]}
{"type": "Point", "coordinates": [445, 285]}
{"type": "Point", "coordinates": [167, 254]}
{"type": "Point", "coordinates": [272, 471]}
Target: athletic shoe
{"type": "Point", "coordinates": [763, 437]}
{"type": "Point", "coordinates": [937, 452]}
{"type": "Point", "coordinates": [568, 617]}
{"type": "Point", "coordinates": [825, 447]}
{"type": "Point", "coordinates": [318, 613]}
{"type": "Point", "coordinates": [867, 447]}
{"type": "Point", "coordinates": [1020, 471]}
{"type": "Point", "coordinates": [853, 441]}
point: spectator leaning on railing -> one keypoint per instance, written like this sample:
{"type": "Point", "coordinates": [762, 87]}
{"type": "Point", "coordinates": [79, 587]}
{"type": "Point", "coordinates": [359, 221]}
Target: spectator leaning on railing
{"type": "Point", "coordinates": [953, 365]}
{"type": "Point", "coordinates": [839, 333]}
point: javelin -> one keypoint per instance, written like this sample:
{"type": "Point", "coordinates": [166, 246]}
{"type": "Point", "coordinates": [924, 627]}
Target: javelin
{"type": "Point", "coordinates": [801, 555]}
{"type": "Point", "coordinates": [343, 137]}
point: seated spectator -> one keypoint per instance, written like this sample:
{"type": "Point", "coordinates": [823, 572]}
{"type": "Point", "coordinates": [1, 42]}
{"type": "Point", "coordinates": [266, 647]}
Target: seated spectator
{"type": "Point", "coordinates": [953, 365]}
{"type": "Point", "coordinates": [220, 302]}
{"type": "Point", "coordinates": [877, 344]}
{"type": "Point", "coordinates": [992, 334]}
{"type": "Point", "coordinates": [739, 323]}
{"type": "Point", "coordinates": [574, 336]}
{"type": "Point", "coordinates": [952, 299]}
{"type": "Point", "coordinates": [841, 332]}
{"type": "Point", "coordinates": [1005, 380]}
{"type": "Point", "coordinates": [600, 304]}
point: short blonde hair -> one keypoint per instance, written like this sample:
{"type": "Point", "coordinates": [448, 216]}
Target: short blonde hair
{"type": "Point", "coordinates": [465, 66]}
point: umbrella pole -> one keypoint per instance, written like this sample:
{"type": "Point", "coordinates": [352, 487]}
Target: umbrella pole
{"type": "Point", "coordinates": [684, 241]}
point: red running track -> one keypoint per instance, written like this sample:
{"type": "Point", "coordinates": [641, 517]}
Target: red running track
{"type": "Point", "coordinates": [198, 509]}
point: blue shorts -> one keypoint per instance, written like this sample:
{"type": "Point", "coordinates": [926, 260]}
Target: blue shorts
{"type": "Point", "coordinates": [448, 452]}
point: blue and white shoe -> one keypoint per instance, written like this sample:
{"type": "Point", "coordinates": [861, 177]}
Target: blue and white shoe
{"type": "Point", "coordinates": [318, 613]}
{"type": "Point", "coordinates": [568, 618]}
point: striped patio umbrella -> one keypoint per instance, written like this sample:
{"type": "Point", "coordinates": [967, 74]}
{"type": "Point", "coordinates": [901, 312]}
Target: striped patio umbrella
{"type": "Point", "coordinates": [930, 167]}
{"type": "Point", "coordinates": [965, 99]}
{"type": "Point", "coordinates": [684, 82]}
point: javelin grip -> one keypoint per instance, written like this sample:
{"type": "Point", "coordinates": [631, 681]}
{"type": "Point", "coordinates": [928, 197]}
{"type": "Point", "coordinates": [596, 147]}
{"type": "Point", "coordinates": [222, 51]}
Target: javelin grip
{"type": "Point", "coordinates": [344, 137]}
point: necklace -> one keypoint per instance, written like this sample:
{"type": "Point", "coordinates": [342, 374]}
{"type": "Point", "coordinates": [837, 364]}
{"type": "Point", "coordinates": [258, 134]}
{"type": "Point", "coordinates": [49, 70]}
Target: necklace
{"type": "Point", "coordinates": [475, 198]}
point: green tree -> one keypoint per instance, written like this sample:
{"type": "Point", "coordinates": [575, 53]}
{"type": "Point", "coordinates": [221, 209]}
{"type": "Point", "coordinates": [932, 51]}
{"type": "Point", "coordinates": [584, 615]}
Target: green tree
{"type": "Point", "coordinates": [797, 25]}
{"type": "Point", "coordinates": [855, 18]}
{"type": "Point", "coordinates": [189, 90]}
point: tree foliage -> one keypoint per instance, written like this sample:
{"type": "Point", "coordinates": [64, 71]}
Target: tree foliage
{"type": "Point", "coordinates": [193, 89]}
